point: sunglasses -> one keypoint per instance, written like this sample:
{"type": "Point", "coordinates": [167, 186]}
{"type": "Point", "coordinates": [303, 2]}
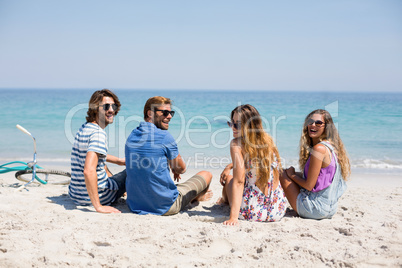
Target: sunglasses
{"type": "Point", "coordinates": [106, 106]}
{"type": "Point", "coordinates": [235, 125]}
{"type": "Point", "coordinates": [166, 112]}
{"type": "Point", "coordinates": [318, 123]}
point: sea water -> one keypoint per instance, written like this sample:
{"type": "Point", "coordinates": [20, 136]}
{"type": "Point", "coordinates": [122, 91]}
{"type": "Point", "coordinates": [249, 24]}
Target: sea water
{"type": "Point", "coordinates": [370, 124]}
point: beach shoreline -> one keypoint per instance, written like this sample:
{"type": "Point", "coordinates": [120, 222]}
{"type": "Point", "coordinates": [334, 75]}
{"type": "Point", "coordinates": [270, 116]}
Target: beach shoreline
{"type": "Point", "coordinates": [42, 226]}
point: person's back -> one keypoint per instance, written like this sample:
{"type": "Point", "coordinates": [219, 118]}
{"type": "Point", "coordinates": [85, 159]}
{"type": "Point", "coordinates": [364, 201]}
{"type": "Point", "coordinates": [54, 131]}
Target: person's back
{"type": "Point", "coordinates": [314, 194]}
{"type": "Point", "coordinates": [326, 174]}
{"type": "Point", "coordinates": [258, 206]}
{"type": "Point", "coordinates": [91, 181]}
{"type": "Point", "coordinates": [150, 188]}
{"type": "Point", "coordinates": [253, 191]}
{"type": "Point", "coordinates": [151, 154]}
{"type": "Point", "coordinates": [90, 137]}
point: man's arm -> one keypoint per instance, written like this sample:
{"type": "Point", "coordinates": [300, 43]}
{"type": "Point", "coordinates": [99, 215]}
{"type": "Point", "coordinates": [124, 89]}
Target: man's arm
{"type": "Point", "coordinates": [177, 166]}
{"type": "Point", "coordinates": [91, 181]}
{"type": "Point", "coordinates": [115, 160]}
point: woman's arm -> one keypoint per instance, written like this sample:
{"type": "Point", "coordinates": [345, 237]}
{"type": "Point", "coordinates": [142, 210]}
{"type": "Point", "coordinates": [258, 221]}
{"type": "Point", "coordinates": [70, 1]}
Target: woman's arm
{"type": "Point", "coordinates": [236, 185]}
{"type": "Point", "coordinates": [225, 174]}
{"type": "Point", "coordinates": [316, 162]}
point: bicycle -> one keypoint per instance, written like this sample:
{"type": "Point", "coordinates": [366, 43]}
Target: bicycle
{"type": "Point", "coordinates": [29, 172]}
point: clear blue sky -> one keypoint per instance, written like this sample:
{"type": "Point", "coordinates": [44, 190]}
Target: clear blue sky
{"type": "Point", "coordinates": [353, 45]}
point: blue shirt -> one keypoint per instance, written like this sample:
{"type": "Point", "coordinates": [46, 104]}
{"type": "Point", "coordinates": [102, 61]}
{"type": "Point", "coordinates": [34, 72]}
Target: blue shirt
{"type": "Point", "coordinates": [150, 189]}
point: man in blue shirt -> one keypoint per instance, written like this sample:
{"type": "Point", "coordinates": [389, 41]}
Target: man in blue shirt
{"type": "Point", "coordinates": [151, 152]}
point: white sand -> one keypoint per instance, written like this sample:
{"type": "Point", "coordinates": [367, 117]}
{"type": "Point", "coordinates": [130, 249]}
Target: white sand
{"type": "Point", "coordinates": [42, 227]}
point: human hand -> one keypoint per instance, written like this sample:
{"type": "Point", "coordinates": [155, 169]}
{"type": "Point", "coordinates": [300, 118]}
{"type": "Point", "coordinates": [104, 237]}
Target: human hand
{"type": "Point", "coordinates": [224, 176]}
{"type": "Point", "coordinates": [176, 177]}
{"type": "Point", "coordinates": [231, 222]}
{"type": "Point", "coordinates": [290, 171]}
{"type": "Point", "coordinates": [107, 209]}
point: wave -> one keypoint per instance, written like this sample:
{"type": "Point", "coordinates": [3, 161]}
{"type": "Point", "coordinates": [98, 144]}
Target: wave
{"type": "Point", "coordinates": [383, 164]}
{"type": "Point", "coordinates": [207, 161]}
{"type": "Point", "coordinates": [377, 164]}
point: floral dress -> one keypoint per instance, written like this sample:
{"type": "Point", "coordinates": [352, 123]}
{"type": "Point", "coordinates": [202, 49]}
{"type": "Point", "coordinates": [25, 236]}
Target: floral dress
{"type": "Point", "coordinates": [256, 206]}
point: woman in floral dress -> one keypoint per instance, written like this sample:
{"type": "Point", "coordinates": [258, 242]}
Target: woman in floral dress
{"type": "Point", "coordinates": [253, 191]}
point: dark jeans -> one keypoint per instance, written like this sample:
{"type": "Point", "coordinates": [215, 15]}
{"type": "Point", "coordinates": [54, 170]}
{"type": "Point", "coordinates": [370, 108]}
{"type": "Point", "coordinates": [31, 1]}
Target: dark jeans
{"type": "Point", "coordinates": [120, 179]}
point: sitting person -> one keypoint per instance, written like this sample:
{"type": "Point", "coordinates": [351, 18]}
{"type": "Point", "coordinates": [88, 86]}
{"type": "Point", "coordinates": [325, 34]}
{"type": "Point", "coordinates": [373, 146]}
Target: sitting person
{"type": "Point", "coordinates": [151, 152]}
{"type": "Point", "coordinates": [91, 181]}
{"type": "Point", "coordinates": [314, 193]}
{"type": "Point", "coordinates": [253, 192]}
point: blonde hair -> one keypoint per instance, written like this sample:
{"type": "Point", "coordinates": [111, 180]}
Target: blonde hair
{"type": "Point", "coordinates": [331, 135]}
{"type": "Point", "coordinates": [153, 102]}
{"type": "Point", "coordinates": [258, 146]}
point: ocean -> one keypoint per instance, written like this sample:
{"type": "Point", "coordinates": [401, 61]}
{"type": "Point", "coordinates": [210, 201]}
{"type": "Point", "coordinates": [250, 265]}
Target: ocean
{"type": "Point", "coordinates": [370, 124]}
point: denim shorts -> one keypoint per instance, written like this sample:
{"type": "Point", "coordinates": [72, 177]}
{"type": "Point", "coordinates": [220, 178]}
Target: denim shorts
{"type": "Point", "coordinates": [312, 205]}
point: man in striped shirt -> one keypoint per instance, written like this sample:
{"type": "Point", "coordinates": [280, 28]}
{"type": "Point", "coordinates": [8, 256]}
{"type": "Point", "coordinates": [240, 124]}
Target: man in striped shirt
{"type": "Point", "coordinates": [91, 181]}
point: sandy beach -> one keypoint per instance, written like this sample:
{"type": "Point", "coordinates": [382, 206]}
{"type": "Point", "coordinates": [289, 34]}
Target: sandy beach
{"type": "Point", "coordinates": [41, 227]}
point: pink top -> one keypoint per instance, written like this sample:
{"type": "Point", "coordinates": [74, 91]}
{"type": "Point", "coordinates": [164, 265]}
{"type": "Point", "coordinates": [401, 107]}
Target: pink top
{"type": "Point", "coordinates": [325, 176]}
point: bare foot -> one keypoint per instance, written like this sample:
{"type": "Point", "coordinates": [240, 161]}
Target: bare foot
{"type": "Point", "coordinates": [205, 197]}
{"type": "Point", "coordinates": [221, 201]}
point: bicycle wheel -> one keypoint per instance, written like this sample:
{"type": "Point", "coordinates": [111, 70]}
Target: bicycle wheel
{"type": "Point", "coordinates": [48, 175]}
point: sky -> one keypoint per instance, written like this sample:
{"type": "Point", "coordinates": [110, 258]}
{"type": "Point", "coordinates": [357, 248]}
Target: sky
{"type": "Point", "coordinates": [342, 45]}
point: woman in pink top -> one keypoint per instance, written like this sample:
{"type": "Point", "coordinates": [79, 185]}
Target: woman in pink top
{"type": "Point", "coordinates": [323, 159]}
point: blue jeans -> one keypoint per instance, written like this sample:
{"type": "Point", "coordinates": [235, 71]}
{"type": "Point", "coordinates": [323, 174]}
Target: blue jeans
{"type": "Point", "coordinates": [120, 179]}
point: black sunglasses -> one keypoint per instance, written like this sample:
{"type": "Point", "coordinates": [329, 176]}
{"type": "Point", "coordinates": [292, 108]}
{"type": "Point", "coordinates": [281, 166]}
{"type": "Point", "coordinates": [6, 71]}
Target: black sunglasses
{"type": "Point", "coordinates": [106, 106]}
{"type": "Point", "coordinates": [166, 112]}
{"type": "Point", "coordinates": [235, 125]}
{"type": "Point", "coordinates": [318, 123]}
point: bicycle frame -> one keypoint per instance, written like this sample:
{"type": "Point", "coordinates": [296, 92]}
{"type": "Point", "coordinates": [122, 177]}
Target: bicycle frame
{"type": "Point", "coordinates": [53, 176]}
{"type": "Point", "coordinates": [33, 163]}
{"type": "Point", "coordinates": [4, 168]}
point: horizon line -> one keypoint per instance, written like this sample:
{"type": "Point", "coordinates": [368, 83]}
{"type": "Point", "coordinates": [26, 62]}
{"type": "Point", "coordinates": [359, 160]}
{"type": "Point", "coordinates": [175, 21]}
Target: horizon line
{"type": "Point", "coordinates": [205, 90]}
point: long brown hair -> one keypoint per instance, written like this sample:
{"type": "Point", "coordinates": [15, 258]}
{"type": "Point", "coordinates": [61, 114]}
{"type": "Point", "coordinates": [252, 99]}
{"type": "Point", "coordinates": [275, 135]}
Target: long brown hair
{"type": "Point", "coordinates": [96, 99]}
{"type": "Point", "coordinates": [258, 146]}
{"type": "Point", "coordinates": [331, 135]}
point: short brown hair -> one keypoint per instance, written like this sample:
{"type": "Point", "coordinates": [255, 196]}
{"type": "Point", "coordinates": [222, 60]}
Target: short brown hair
{"type": "Point", "coordinates": [96, 99]}
{"type": "Point", "coordinates": [153, 102]}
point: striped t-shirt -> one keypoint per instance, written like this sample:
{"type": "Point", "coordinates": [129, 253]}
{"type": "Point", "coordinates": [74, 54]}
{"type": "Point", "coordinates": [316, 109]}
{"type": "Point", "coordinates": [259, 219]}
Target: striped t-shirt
{"type": "Point", "coordinates": [90, 137]}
